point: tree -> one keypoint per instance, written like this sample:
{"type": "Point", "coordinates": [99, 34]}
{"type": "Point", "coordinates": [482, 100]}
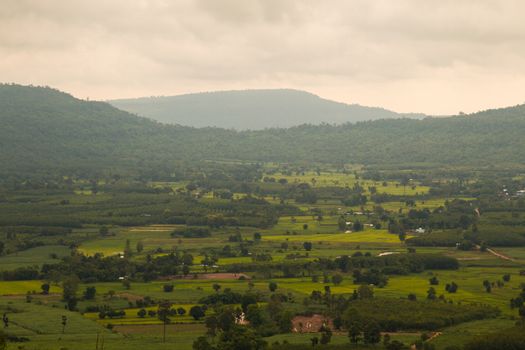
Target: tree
{"type": "Point", "coordinates": [248, 299]}
{"type": "Point", "coordinates": [45, 288]}
{"type": "Point", "coordinates": [140, 246]}
{"type": "Point", "coordinates": [163, 313]}
{"type": "Point", "coordinates": [197, 312]}
{"type": "Point", "coordinates": [202, 343]}
{"type": "Point", "coordinates": [326, 334]}
{"type": "Point", "coordinates": [386, 340]}
{"type": "Point", "coordinates": [64, 323]}
{"type": "Point", "coordinates": [257, 236]}
{"type": "Point", "coordinates": [255, 315]}
{"type": "Point", "coordinates": [452, 287]}
{"type": "Point", "coordinates": [103, 231]}
{"type": "Point", "coordinates": [371, 333]}
{"type": "Point", "coordinates": [341, 223]}
{"type": "Point", "coordinates": [305, 226]}
{"type": "Point", "coordinates": [357, 226]}
{"type": "Point", "coordinates": [142, 313]}
{"type": "Point", "coordinates": [69, 291]}
{"type": "Point", "coordinates": [506, 277]}
{"type": "Point", "coordinates": [307, 246]}
{"type": "Point", "coordinates": [216, 287]}
{"type": "Point", "coordinates": [337, 279]}
{"type": "Point", "coordinates": [168, 288]}
{"type": "Point", "coordinates": [285, 322]}
{"type": "Point", "coordinates": [226, 319]}
{"type": "Point", "coordinates": [402, 236]}
{"type": "Point", "coordinates": [354, 332]}
{"type": "Point", "coordinates": [211, 324]}
{"type": "Point", "coordinates": [3, 341]}
{"type": "Point", "coordinates": [365, 292]}
{"type": "Point", "coordinates": [127, 249]}
{"type": "Point", "coordinates": [314, 341]}
{"type": "Point", "coordinates": [272, 286]}
{"type": "Point", "coordinates": [395, 345]}
{"type": "Point", "coordinates": [433, 281]}
{"type": "Point", "coordinates": [181, 311]}
{"type": "Point", "coordinates": [431, 293]}
{"type": "Point", "coordinates": [240, 337]}
{"type": "Point", "coordinates": [521, 312]}
{"type": "Point", "coordinates": [483, 247]}
{"type": "Point", "coordinates": [488, 286]}
{"type": "Point", "coordinates": [90, 292]}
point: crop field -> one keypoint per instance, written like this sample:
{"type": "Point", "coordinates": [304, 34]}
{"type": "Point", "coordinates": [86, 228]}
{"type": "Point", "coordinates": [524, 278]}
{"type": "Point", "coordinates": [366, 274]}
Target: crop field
{"type": "Point", "coordinates": [131, 317]}
{"type": "Point", "coordinates": [258, 244]}
{"type": "Point", "coordinates": [367, 236]}
{"type": "Point", "coordinates": [34, 256]}
{"type": "Point", "coordinates": [332, 179]}
{"type": "Point", "coordinates": [22, 287]}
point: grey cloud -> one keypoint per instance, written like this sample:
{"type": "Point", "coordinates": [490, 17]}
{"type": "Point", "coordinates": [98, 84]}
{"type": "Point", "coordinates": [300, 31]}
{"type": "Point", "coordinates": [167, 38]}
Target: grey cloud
{"type": "Point", "coordinates": [399, 54]}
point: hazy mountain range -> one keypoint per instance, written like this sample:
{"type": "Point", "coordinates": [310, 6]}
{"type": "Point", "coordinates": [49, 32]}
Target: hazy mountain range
{"type": "Point", "coordinates": [252, 109]}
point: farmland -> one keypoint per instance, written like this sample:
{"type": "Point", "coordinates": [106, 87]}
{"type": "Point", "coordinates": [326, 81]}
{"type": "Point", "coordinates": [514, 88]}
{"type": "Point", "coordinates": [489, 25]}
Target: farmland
{"type": "Point", "coordinates": [124, 261]}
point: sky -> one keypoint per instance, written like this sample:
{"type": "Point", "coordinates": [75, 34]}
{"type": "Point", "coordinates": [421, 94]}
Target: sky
{"type": "Point", "coordinates": [434, 57]}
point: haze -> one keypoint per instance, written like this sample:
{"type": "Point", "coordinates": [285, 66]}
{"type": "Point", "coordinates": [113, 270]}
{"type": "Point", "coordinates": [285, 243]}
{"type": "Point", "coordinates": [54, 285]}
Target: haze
{"type": "Point", "coordinates": [422, 56]}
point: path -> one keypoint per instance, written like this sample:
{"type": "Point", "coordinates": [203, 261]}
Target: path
{"type": "Point", "coordinates": [496, 254]}
{"type": "Point", "coordinates": [499, 255]}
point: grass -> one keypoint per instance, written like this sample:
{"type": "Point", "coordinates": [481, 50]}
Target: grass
{"type": "Point", "coordinates": [367, 236]}
{"type": "Point", "coordinates": [131, 317]}
{"type": "Point", "coordinates": [33, 257]}
{"type": "Point", "coordinates": [337, 338]}
{"type": "Point", "coordinates": [39, 319]}
{"type": "Point", "coordinates": [331, 179]}
{"type": "Point", "coordinates": [462, 333]}
{"type": "Point", "coordinates": [22, 287]}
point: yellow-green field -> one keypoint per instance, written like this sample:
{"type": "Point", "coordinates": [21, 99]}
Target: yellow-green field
{"type": "Point", "coordinates": [22, 287]}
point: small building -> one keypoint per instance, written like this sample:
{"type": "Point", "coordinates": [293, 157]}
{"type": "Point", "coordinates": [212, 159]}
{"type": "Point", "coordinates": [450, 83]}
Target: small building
{"type": "Point", "coordinates": [420, 230]}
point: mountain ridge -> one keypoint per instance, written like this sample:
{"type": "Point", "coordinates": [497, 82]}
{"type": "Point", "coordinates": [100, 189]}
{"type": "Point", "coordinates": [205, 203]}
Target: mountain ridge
{"type": "Point", "coordinates": [45, 130]}
{"type": "Point", "coordinates": [252, 109]}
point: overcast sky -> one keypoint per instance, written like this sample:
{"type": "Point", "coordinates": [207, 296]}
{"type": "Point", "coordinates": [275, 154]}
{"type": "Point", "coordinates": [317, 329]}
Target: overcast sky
{"type": "Point", "coordinates": [437, 57]}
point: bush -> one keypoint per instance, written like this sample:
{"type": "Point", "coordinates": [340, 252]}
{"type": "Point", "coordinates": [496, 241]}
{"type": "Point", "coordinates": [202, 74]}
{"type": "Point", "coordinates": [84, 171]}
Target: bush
{"type": "Point", "coordinates": [168, 288]}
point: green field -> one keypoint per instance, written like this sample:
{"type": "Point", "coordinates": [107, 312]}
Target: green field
{"type": "Point", "coordinates": [33, 257]}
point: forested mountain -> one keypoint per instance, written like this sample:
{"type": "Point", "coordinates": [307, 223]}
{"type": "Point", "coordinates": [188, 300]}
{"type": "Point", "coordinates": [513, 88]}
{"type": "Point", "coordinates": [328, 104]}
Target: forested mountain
{"type": "Point", "coordinates": [252, 109]}
{"type": "Point", "coordinates": [44, 130]}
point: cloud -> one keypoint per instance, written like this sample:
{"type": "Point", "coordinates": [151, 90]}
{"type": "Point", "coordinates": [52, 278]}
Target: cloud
{"type": "Point", "coordinates": [408, 55]}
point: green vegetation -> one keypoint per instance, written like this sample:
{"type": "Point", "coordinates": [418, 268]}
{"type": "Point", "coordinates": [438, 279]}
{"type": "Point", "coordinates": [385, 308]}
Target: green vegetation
{"type": "Point", "coordinates": [111, 139]}
{"type": "Point", "coordinates": [116, 228]}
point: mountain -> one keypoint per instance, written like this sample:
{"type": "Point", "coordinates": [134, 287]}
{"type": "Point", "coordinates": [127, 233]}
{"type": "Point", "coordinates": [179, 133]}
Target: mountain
{"type": "Point", "coordinates": [43, 128]}
{"type": "Point", "coordinates": [45, 131]}
{"type": "Point", "coordinates": [252, 109]}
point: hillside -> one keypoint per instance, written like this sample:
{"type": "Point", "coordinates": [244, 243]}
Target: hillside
{"type": "Point", "coordinates": [43, 128]}
{"type": "Point", "coordinates": [46, 130]}
{"type": "Point", "coordinates": [251, 109]}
